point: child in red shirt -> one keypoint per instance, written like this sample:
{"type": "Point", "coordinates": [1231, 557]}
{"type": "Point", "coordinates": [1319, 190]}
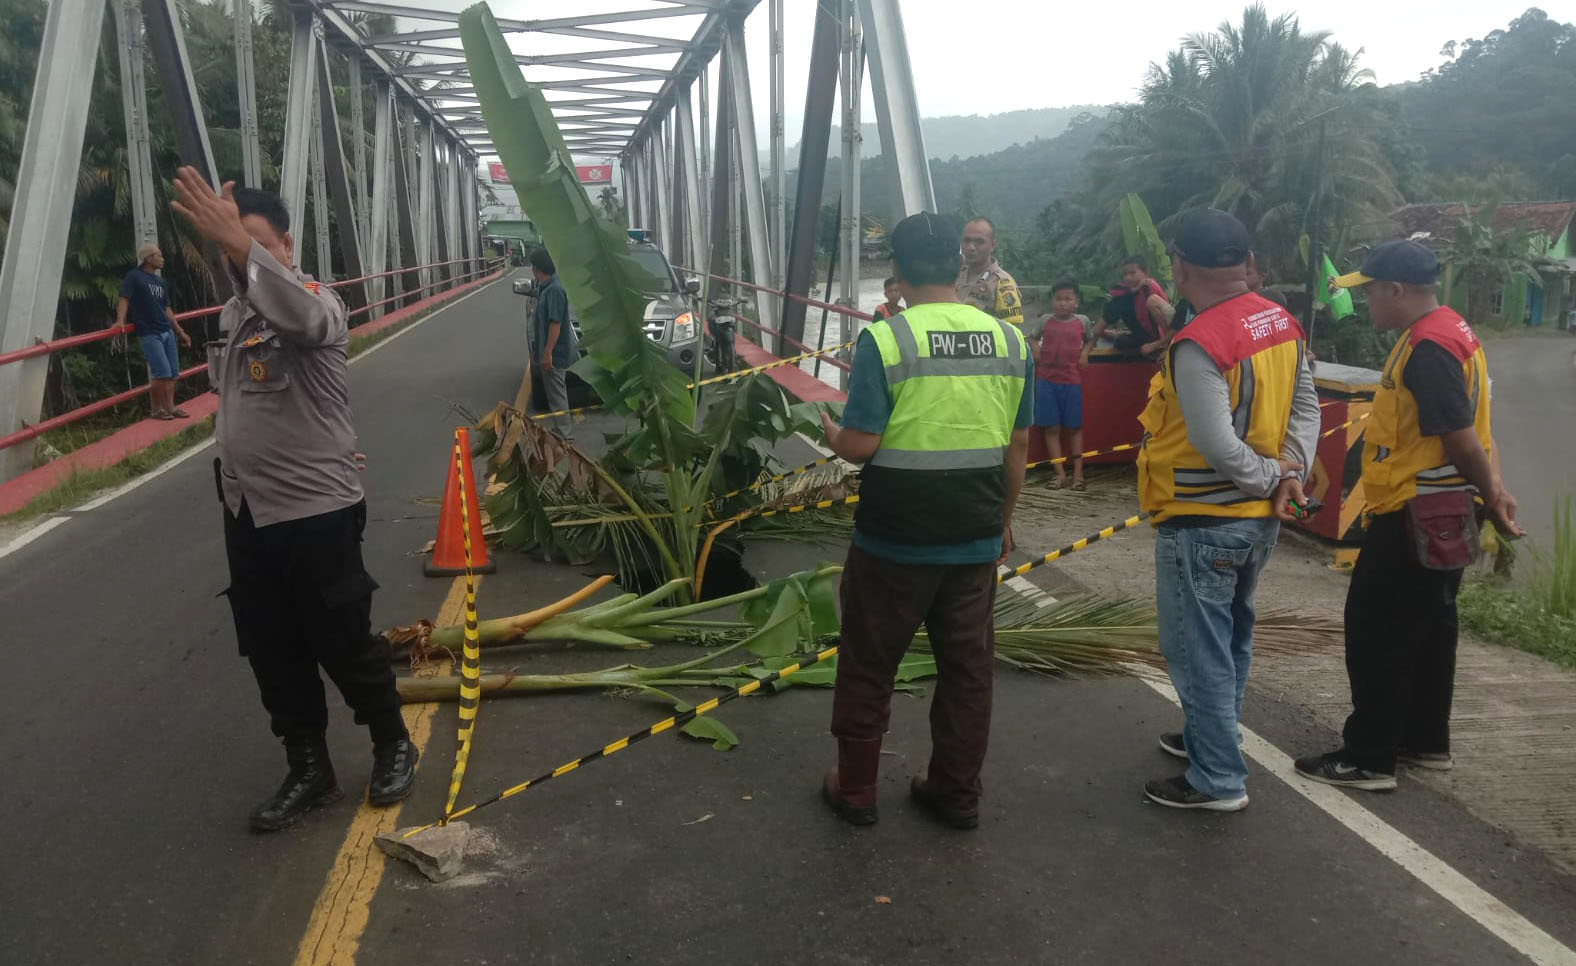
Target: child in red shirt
{"type": "Point", "coordinates": [1058, 389]}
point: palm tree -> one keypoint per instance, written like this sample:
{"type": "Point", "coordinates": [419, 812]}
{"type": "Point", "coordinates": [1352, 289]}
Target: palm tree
{"type": "Point", "coordinates": [1232, 120]}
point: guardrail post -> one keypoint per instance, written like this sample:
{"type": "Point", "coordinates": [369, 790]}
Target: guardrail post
{"type": "Point", "coordinates": [35, 245]}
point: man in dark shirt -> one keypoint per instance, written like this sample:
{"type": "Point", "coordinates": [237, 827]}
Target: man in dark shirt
{"type": "Point", "coordinates": [553, 339]}
{"type": "Point", "coordinates": [144, 297]}
{"type": "Point", "coordinates": [1139, 306]}
{"type": "Point", "coordinates": [1427, 448]}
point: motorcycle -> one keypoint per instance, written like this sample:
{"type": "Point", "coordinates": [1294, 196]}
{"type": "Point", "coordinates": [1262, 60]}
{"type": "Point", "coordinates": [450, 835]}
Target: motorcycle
{"type": "Point", "coordinates": [722, 326]}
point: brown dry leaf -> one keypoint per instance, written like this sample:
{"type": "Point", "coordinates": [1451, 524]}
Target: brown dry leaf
{"type": "Point", "coordinates": [884, 900]}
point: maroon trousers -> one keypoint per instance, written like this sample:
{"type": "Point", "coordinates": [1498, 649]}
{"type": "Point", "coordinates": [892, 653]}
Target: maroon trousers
{"type": "Point", "coordinates": [884, 604]}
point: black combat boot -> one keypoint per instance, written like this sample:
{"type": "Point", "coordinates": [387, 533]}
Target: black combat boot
{"type": "Point", "coordinates": [310, 783]}
{"type": "Point", "coordinates": [393, 771]}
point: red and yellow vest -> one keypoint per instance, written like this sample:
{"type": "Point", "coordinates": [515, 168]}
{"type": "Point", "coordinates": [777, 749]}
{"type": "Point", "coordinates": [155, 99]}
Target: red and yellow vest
{"type": "Point", "coordinates": [1399, 462]}
{"type": "Point", "coordinates": [1259, 348]}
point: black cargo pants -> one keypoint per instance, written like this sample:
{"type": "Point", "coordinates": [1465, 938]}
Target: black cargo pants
{"type": "Point", "coordinates": [302, 600]}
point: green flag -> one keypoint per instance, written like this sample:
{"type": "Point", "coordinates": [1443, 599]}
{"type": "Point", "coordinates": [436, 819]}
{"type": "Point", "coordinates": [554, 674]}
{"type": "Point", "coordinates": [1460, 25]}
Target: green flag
{"type": "Point", "coordinates": [1339, 304]}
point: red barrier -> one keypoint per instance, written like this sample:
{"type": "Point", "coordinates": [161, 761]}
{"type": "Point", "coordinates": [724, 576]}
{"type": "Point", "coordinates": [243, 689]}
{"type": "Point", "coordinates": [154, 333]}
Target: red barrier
{"type": "Point", "coordinates": [66, 418]}
{"type": "Point", "coordinates": [88, 338]}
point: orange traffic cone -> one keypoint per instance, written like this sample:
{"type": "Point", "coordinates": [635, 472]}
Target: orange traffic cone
{"type": "Point", "coordinates": [449, 551]}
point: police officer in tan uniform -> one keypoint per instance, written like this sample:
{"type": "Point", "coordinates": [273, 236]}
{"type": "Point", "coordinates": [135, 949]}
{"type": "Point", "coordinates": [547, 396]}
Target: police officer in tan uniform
{"type": "Point", "coordinates": [983, 283]}
{"type": "Point", "coordinates": [294, 509]}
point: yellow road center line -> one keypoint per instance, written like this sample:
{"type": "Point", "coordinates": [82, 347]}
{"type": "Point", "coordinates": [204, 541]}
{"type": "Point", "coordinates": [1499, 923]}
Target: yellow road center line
{"type": "Point", "coordinates": [344, 904]}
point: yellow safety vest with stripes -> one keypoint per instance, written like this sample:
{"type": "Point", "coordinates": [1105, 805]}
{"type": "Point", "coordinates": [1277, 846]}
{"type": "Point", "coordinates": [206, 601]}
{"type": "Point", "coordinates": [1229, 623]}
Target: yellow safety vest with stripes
{"type": "Point", "coordinates": [1259, 348]}
{"type": "Point", "coordinates": [956, 377]}
{"type": "Point", "coordinates": [1399, 462]}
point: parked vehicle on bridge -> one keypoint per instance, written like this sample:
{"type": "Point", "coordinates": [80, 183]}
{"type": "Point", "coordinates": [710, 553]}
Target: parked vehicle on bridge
{"type": "Point", "coordinates": [722, 325]}
{"type": "Point", "coordinates": [669, 319]}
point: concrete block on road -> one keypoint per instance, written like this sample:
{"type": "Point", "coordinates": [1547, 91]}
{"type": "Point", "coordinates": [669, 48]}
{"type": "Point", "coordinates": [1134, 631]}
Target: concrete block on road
{"type": "Point", "coordinates": [437, 852]}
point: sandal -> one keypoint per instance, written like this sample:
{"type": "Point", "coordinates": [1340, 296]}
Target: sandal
{"type": "Point", "coordinates": [180, 414]}
{"type": "Point", "coordinates": [1055, 483]}
{"type": "Point", "coordinates": [1079, 486]}
{"type": "Point", "coordinates": [161, 414]}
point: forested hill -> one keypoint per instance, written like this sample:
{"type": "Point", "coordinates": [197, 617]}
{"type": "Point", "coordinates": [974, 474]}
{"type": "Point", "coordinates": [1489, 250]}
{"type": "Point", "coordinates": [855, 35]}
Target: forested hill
{"type": "Point", "coordinates": [963, 136]}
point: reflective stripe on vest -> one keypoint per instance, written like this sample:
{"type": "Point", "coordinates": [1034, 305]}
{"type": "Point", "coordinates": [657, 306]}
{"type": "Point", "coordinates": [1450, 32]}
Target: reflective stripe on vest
{"type": "Point", "coordinates": [1258, 347]}
{"type": "Point", "coordinates": [956, 378]}
{"type": "Point", "coordinates": [1398, 461]}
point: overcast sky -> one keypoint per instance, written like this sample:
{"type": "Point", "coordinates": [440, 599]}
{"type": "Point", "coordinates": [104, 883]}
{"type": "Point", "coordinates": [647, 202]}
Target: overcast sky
{"type": "Point", "coordinates": [990, 56]}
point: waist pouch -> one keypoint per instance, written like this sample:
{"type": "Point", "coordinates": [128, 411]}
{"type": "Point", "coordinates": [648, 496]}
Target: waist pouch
{"type": "Point", "coordinates": [1442, 530]}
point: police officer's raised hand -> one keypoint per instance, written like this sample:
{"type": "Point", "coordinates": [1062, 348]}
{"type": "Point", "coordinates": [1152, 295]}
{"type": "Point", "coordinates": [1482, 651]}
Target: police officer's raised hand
{"type": "Point", "coordinates": [214, 216]}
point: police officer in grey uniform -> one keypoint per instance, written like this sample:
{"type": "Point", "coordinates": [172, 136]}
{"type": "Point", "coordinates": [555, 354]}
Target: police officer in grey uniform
{"type": "Point", "coordinates": [294, 509]}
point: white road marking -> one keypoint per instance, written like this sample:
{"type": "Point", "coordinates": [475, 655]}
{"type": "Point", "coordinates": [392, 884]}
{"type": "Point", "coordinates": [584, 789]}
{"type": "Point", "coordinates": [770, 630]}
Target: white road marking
{"type": "Point", "coordinates": [1473, 901]}
{"type": "Point", "coordinates": [49, 523]}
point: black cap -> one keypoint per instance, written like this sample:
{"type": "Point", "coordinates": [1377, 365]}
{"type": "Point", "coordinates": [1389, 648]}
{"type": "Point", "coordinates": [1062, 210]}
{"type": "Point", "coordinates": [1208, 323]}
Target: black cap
{"type": "Point", "coordinates": [924, 237]}
{"type": "Point", "coordinates": [1404, 261]}
{"type": "Point", "coordinates": [1211, 238]}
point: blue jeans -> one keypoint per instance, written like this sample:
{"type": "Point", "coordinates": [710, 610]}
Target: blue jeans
{"type": "Point", "coordinates": [1204, 580]}
{"type": "Point", "coordinates": [158, 348]}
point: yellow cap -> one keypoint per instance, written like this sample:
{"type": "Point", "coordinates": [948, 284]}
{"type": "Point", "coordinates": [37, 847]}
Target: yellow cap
{"type": "Point", "coordinates": [1350, 280]}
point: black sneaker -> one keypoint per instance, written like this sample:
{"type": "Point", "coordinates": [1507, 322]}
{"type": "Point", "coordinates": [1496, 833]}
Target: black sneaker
{"type": "Point", "coordinates": [1332, 770]}
{"type": "Point", "coordinates": [1178, 793]}
{"type": "Point", "coordinates": [1172, 744]}
{"type": "Point", "coordinates": [1432, 760]}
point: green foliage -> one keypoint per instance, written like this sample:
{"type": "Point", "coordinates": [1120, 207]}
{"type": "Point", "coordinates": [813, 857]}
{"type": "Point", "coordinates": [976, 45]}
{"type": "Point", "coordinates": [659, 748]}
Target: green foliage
{"type": "Point", "coordinates": [1487, 259]}
{"type": "Point", "coordinates": [1502, 101]}
{"type": "Point", "coordinates": [1504, 614]}
{"type": "Point", "coordinates": [1139, 236]}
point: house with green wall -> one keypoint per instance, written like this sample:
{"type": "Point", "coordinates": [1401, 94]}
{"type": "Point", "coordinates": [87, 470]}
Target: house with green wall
{"type": "Point", "coordinates": [1549, 301]}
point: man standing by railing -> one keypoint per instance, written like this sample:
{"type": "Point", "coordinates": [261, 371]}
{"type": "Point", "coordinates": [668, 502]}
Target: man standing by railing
{"type": "Point", "coordinates": [145, 298]}
{"type": "Point", "coordinates": [294, 509]}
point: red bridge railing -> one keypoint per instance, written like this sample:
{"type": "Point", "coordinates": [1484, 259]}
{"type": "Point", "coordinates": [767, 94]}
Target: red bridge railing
{"type": "Point", "coordinates": [87, 338]}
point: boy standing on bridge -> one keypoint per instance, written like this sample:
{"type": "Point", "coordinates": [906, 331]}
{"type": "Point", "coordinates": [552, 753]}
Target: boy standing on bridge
{"type": "Point", "coordinates": [1059, 356]}
{"type": "Point", "coordinates": [294, 510]}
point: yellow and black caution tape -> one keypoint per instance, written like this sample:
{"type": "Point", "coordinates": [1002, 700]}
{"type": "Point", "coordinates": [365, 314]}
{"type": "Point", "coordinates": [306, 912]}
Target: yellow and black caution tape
{"type": "Point", "coordinates": [666, 724]}
{"type": "Point", "coordinates": [471, 660]}
{"type": "Point", "coordinates": [1350, 422]}
{"type": "Point", "coordinates": [1078, 456]}
{"type": "Point", "coordinates": [1075, 546]}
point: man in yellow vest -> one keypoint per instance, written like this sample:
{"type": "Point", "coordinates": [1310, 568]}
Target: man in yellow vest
{"type": "Point", "coordinates": [1231, 422]}
{"type": "Point", "coordinates": [1427, 451]}
{"type": "Point", "coordinates": [938, 413]}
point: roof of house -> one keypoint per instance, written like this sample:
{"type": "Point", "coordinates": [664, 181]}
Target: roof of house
{"type": "Point", "coordinates": [1551, 218]}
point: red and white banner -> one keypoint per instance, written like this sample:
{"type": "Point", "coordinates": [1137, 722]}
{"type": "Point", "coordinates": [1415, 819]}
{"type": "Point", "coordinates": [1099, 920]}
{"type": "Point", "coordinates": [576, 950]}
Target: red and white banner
{"type": "Point", "coordinates": [595, 173]}
{"type": "Point", "coordinates": [497, 173]}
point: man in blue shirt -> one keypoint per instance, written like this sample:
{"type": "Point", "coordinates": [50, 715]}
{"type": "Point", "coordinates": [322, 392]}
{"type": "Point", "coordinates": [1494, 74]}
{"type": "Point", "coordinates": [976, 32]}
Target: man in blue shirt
{"type": "Point", "coordinates": [938, 411]}
{"type": "Point", "coordinates": [553, 339]}
{"type": "Point", "coordinates": [145, 298]}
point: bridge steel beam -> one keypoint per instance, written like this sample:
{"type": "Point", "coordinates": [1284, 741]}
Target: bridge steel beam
{"type": "Point", "coordinates": [46, 182]}
{"type": "Point", "coordinates": [852, 73]}
{"type": "Point", "coordinates": [134, 105]}
{"type": "Point", "coordinates": [339, 191]}
{"type": "Point", "coordinates": [323, 247]}
{"type": "Point", "coordinates": [762, 265]}
{"type": "Point", "coordinates": [662, 188]}
{"type": "Point", "coordinates": [814, 139]}
{"type": "Point", "coordinates": [897, 110]}
{"type": "Point", "coordinates": [689, 176]}
{"type": "Point", "coordinates": [409, 256]}
{"type": "Point", "coordinates": [246, 89]}
{"type": "Point", "coordinates": [382, 200]}
{"type": "Point", "coordinates": [358, 147]}
{"type": "Point", "coordinates": [721, 177]}
{"type": "Point", "coordinates": [704, 98]}
{"type": "Point", "coordinates": [293, 166]}
{"type": "Point", "coordinates": [166, 41]}
{"type": "Point", "coordinates": [777, 135]}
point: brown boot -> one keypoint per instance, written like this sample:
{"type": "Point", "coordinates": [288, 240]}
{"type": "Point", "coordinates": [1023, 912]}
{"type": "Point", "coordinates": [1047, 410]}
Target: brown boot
{"type": "Point", "coordinates": [850, 788]}
{"type": "Point", "coordinates": [932, 803]}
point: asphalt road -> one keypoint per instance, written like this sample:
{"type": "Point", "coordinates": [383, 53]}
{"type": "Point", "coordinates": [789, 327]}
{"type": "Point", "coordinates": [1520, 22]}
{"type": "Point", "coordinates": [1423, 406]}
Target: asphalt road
{"type": "Point", "coordinates": [1535, 425]}
{"type": "Point", "coordinates": [134, 746]}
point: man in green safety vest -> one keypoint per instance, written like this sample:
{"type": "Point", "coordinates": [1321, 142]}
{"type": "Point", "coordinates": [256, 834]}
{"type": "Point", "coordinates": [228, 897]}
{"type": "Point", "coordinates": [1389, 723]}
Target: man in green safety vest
{"type": "Point", "coordinates": [938, 413]}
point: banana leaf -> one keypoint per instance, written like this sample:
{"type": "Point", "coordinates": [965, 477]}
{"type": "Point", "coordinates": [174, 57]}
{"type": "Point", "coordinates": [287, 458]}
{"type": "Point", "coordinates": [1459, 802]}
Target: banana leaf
{"type": "Point", "coordinates": [1140, 238]}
